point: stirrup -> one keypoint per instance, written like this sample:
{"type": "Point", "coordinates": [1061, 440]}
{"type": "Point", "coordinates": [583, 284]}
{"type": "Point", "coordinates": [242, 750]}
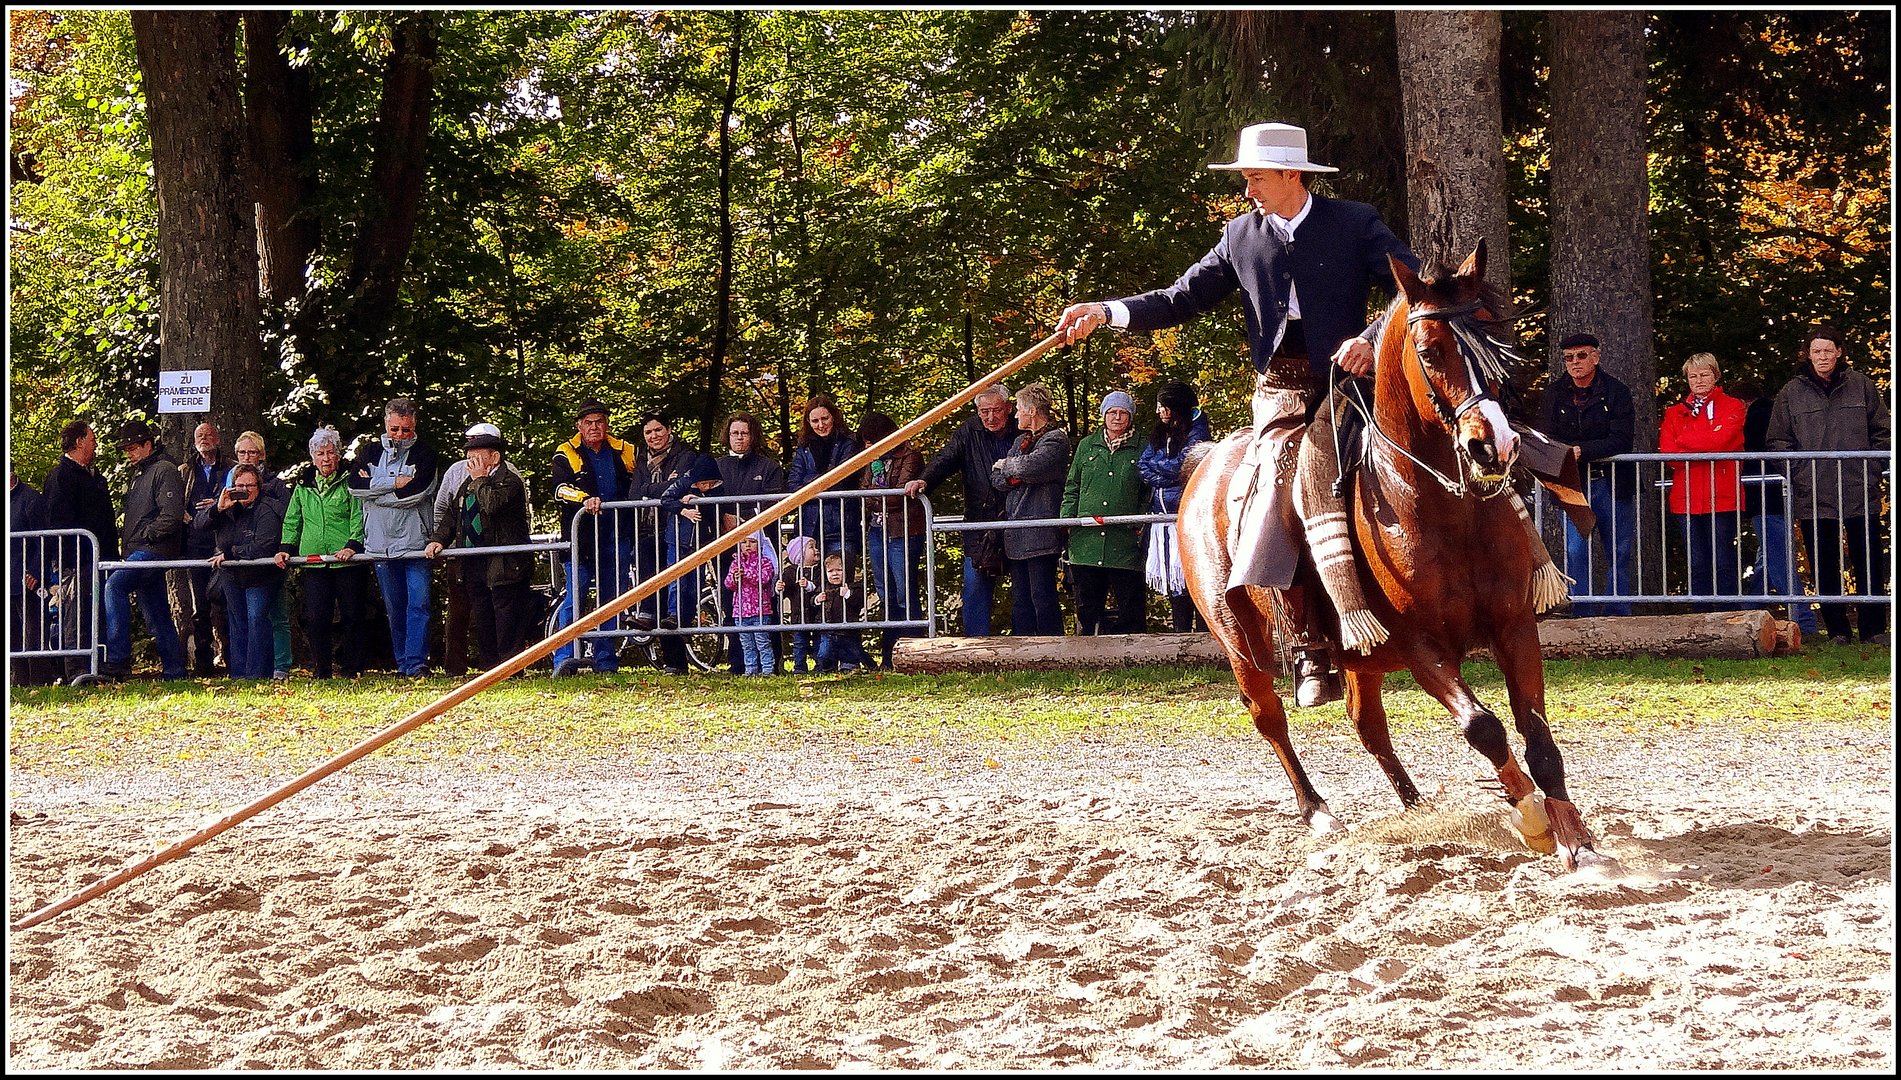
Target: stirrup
{"type": "Point", "coordinates": [1314, 681]}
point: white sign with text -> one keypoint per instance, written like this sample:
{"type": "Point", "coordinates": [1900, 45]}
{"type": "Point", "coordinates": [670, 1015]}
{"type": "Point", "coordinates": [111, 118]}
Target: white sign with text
{"type": "Point", "coordinates": [184, 391]}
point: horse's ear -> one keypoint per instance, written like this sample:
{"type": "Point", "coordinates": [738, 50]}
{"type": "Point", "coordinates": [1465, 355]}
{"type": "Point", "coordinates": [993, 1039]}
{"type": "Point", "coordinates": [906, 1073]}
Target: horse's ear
{"type": "Point", "coordinates": [1473, 269]}
{"type": "Point", "coordinates": [1409, 284]}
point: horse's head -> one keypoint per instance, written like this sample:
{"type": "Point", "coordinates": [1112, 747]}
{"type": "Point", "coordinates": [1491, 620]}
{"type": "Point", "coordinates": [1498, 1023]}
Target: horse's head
{"type": "Point", "coordinates": [1460, 368]}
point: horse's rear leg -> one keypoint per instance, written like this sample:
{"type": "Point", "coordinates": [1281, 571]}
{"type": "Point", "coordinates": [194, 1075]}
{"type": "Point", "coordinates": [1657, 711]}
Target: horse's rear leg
{"type": "Point", "coordinates": [1368, 710]}
{"type": "Point", "coordinates": [1521, 661]}
{"type": "Point", "coordinates": [1486, 734]}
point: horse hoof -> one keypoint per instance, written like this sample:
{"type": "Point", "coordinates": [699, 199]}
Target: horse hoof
{"type": "Point", "coordinates": [1323, 823]}
{"type": "Point", "coordinates": [1586, 858]}
{"type": "Point", "coordinates": [1528, 817]}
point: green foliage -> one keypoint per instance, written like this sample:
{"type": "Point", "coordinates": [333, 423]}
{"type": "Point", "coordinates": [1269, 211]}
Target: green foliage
{"type": "Point", "coordinates": [915, 194]}
{"type": "Point", "coordinates": [82, 260]}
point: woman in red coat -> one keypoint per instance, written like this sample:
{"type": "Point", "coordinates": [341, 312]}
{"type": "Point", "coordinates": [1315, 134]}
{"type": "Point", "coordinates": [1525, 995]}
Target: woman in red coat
{"type": "Point", "coordinates": [1704, 495]}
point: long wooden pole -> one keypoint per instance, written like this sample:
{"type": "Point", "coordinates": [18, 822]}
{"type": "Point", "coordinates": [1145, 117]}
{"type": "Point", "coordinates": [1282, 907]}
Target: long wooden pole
{"type": "Point", "coordinates": [533, 653]}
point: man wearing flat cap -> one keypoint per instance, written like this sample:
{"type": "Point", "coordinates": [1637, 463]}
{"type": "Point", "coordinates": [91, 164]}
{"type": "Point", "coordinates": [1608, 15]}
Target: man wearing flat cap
{"type": "Point", "coordinates": [591, 468]}
{"type": "Point", "coordinates": [1305, 266]}
{"type": "Point", "coordinates": [489, 508]}
{"type": "Point", "coordinates": [154, 529]}
{"type": "Point", "coordinates": [1593, 412]}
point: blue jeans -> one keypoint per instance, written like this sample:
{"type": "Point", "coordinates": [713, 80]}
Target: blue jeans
{"type": "Point", "coordinates": [581, 577]}
{"type": "Point", "coordinates": [897, 574]}
{"type": "Point", "coordinates": [1775, 568]}
{"type": "Point", "coordinates": [837, 647]}
{"type": "Point", "coordinates": [1617, 528]}
{"type": "Point", "coordinates": [980, 590]}
{"type": "Point", "coordinates": [248, 608]}
{"type": "Point", "coordinates": [405, 585]}
{"type": "Point", "coordinates": [1710, 541]}
{"type": "Point", "coordinates": [1034, 607]}
{"type": "Point", "coordinates": [149, 586]}
{"type": "Point", "coordinates": [804, 649]}
{"type": "Point", "coordinates": [755, 646]}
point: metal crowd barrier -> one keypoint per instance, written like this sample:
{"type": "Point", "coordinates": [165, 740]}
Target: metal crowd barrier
{"type": "Point", "coordinates": [61, 616]}
{"type": "Point", "coordinates": [1828, 544]}
{"type": "Point", "coordinates": [44, 611]}
{"type": "Point", "coordinates": [643, 537]}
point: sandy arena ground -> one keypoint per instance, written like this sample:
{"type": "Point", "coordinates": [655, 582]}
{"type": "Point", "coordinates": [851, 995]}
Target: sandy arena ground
{"type": "Point", "coordinates": [1102, 905]}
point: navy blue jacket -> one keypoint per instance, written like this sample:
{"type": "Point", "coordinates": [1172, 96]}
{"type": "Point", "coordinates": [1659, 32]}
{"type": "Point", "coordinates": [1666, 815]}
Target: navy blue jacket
{"type": "Point", "coordinates": [835, 521]}
{"type": "Point", "coordinates": [1338, 255]}
{"type": "Point", "coordinates": [1161, 467]}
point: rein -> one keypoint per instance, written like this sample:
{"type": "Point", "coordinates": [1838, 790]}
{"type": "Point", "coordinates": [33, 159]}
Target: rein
{"type": "Point", "coordinates": [1484, 357]}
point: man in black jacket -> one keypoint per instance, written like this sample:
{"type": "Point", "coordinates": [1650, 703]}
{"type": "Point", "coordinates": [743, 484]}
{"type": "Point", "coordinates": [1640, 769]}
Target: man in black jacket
{"type": "Point", "coordinates": [154, 529]}
{"type": "Point", "coordinates": [1305, 266]}
{"type": "Point", "coordinates": [77, 498]}
{"type": "Point", "coordinates": [197, 608]}
{"type": "Point", "coordinates": [1593, 412]}
{"type": "Point", "coordinates": [978, 444]}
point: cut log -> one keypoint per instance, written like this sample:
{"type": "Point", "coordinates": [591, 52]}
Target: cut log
{"type": "Point", "coordinates": [943, 655]}
{"type": "Point", "coordinates": [1788, 638]}
{"type": "Point", "coordinates": [1726, 635]}
{"type": "Point", "coordinates": [1715, 635]}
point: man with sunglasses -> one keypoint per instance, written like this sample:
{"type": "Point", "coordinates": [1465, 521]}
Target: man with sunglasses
{"type": "Point", "coordinates": [1593, 412]}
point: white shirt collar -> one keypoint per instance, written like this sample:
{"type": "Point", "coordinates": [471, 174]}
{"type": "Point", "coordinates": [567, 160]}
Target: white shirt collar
{"type": "Point", "coordinates": [1286, 226]}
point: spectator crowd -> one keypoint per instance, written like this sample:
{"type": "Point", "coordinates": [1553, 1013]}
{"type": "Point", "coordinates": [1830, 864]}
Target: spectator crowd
{"type": "Point", "coordinates": [852, 571]}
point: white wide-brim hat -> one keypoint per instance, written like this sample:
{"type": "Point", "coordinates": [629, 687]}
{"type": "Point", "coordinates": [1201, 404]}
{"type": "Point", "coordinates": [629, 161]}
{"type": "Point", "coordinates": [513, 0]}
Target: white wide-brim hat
{"type": "Point", "coordinates": [1273, 146]}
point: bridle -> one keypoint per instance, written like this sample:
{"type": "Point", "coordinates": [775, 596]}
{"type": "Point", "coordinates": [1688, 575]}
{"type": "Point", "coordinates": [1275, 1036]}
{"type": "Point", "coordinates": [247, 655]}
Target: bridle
{"type": "Point", "coordinates": [1485, 358]}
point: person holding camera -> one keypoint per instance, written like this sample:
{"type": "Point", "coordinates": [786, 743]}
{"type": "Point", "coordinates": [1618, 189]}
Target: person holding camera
{"type": "Point", "coordinates": [247, 527]}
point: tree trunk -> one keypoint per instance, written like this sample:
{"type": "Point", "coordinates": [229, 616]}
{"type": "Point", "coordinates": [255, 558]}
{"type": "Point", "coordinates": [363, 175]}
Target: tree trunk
{"type": "Point", "coordinates": [277, 114]}
{"type": "Point", "coordinates": [723, 286]}
{"type": "Point", "coordinates": [389, 227]}
{"type": "Point", "coordinates": [208, 307]}
{"type": "Point", "coordinates": [1455, 140]}
{"type": "Point", "coordinates": [1600, 218]}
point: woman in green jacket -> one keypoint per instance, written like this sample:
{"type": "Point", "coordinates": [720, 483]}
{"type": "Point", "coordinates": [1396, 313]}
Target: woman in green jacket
{"type": "Point", "coordinates": [324, 519]}
{"type": "Point", "coordinates": [1105, 482]}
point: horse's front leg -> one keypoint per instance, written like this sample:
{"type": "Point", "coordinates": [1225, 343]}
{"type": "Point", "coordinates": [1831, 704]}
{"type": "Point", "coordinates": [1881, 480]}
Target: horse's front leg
{"type": "Point", "coordinates": [1521, 660]}
{"type": "Point", "coordinates": [1486, 734]}
{"type": "Point", "coordinates": [1368, 711]}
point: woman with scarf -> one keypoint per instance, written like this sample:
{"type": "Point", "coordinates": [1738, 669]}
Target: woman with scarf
{"type": "Point", "coordinates": [1031, 479]}
{"type": "Point", "coordinates": [1104, 559]}
{"type": "Point", "coordinates": [1179, 424]}
{"type": "Point", "coordinates": [1704, 494]}
{"type": "Point", "coordinates": [666, 467]}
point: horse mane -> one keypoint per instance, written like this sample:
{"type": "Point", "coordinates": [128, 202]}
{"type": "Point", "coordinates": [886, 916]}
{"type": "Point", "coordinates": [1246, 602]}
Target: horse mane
{"type": "Point", "coordinates": [1194, 456]}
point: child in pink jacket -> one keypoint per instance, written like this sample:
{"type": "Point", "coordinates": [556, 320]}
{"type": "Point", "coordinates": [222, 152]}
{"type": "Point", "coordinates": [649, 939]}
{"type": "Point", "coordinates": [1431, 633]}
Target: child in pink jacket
{"type": "Point", "coordinates": [750, 580]}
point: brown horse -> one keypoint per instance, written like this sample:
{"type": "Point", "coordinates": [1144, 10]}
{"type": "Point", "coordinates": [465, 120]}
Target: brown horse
{"type": "Point", "coordinates": [1444, 560]}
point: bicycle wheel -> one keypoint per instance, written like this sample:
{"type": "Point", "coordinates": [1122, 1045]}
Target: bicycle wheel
{"type": "Point", "coordinates": [707, 650]}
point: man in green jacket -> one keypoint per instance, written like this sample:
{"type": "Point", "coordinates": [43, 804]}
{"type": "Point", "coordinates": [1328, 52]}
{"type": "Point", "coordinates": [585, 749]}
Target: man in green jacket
{"type": "Point", "coordinates": [324, 519]}
{"type": "Point", "coordinates": [1104, 482]}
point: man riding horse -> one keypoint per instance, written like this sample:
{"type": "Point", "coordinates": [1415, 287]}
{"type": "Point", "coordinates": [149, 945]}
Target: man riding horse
{"type": "Point", "coordinates": [1305, 265]}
